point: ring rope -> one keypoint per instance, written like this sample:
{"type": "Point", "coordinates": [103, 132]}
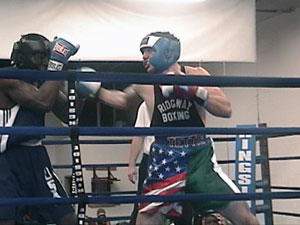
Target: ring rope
{"type": "Point", "coordinates": [92, 142]}
{"type": "Point", "coordinates": [286, 214]}
{"type": "Point", "coordinates": [111, 193]}
{"type": "Point", "coordinates": [126, 164]}
{"type": "Point", "coordinates": [117, 165]}
{"type": "Point", "coordinates": [128, 141]}
{"type": "Point", "coordinates": [145, 78]}
{"type": "Point", "coordinates": [286, 188]}
{"type": "Point", "coordinates": [151, 198]}
{"type": "Point", "coordinates": [143, 131]}
{"type": "Point", "coordinates": [261, 159]}
{"type": "Point", "coordinates": [104, 219]}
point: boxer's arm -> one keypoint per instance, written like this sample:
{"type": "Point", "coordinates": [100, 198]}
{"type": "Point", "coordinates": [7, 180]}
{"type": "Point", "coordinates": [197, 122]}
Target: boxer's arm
{"type": "Point", "coordinates": [116, 98]}
{"type": "Point", "coordinates": [137, 142]}
{"type": "Point", "coordinates": [216, 102]}
{"type": "Point", "coordinates": [135, 149]}
{"type": "Point", "coordinates": [29, 96]}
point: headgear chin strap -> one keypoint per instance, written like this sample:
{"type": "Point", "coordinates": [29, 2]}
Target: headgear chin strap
{"type": "Point", "coordinates": [167, 51]}
{"type": "Point", "coordinates": [24, 51]}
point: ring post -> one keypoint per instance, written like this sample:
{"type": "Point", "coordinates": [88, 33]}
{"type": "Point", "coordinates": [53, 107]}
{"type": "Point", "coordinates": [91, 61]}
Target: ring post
{"type": "Point", "coordinates": [77, 174]}
{"type": "Point", "coordinates": [245, 164]}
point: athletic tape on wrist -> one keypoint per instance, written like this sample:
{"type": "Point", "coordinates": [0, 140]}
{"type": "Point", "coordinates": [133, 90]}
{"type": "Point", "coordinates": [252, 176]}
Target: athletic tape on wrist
{"type": "Point", "coordinates": [55, 65]}
{"type": "Point", "coordinates": [96, 95]}
{"type": "Point", "coordinates": [201, 96]}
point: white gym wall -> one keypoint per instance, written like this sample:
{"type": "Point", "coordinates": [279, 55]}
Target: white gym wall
{"type": "Point", "coordinates": [113, 29]}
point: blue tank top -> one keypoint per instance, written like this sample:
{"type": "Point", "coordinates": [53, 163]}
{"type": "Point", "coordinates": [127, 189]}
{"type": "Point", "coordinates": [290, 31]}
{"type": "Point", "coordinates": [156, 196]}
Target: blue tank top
{"type": "Point", "coordinates": [19, 116]}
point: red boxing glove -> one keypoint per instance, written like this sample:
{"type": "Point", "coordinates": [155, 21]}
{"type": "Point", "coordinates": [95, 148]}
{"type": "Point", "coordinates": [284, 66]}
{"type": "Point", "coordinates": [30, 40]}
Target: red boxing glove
{"type": "Point", "coordinates": [185, 92]}
{"type": "Point", "coordinates": [191, 93]}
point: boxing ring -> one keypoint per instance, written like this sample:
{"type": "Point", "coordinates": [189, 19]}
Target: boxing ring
{"type": "Point", "coordinates": [82, 198]}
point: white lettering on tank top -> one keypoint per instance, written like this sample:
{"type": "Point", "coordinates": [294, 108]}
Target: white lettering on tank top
{"type": "Point", "coordinates": [181, 112]}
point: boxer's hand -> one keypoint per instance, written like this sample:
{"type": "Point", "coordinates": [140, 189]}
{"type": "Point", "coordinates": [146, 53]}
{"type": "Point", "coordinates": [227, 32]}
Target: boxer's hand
{"type": "Point", "coordinates": [132, 174]}
{"type": "Point", "coordinates": [185, 92]}
{"type": "Point", "coordinates": [192, 93]}
{"type": "Point", "coordinates": [60, 51]}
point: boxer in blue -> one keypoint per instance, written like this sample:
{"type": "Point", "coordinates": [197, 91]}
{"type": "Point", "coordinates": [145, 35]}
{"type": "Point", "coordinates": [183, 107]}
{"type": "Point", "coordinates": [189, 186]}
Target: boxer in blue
{"type": "Point", "coordinates": [25, 168]}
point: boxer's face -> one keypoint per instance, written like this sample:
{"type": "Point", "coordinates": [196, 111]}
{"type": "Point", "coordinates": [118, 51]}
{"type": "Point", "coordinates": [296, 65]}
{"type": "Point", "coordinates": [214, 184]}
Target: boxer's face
{"type": "Point", "coordinates": [147, 54]}
{"type": "Point", "coordinates": [41, 60]}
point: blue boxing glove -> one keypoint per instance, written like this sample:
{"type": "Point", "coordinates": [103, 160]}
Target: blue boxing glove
{"type": "Point", "coordinates": [60, 51]}
{"type": "Point", "coordinates": [87, 89]}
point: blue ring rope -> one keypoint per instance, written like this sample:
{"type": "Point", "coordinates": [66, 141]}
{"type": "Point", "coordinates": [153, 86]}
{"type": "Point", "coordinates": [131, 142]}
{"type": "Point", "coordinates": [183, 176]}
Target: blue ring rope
{"type": "Point", "coordinates": [144, 78]}
{"type": "Point", "coordinates": [286, 188]}
{"type": "Point", "coordinates": [100, 219]}
{"type": "Point", "coordinates": [85, 142]}
{"type": "Point", "coordinates": [286, 214]}
{"type": "Point", "coordinates": [143, 199]}
{"type": "Point", "coordinates": [92, 142]}
{"type": "Point", "coordinates": [128, 141]}
{"type": "Point", "coordinates": [261, 159]}
{"type": "Point", "coordinates": [117, 165]}
{"type": "Point", "coordinates": [141, 131]}
{"type": "Point", "coordinates": [92, 165]}
{"type": "Point", "coordinates": [111, 193]}
{"type": "Point", "coordinates": [104, 219]}
{"type": "Point", "coordinates": [126, 164]}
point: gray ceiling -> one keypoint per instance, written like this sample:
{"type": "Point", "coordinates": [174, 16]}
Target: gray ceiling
{"type": "Point", "coordinates": [265, 9]}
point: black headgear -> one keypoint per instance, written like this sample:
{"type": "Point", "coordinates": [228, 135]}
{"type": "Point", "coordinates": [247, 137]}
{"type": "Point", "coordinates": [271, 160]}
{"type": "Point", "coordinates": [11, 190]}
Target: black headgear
{"type": "Point", "coordinates": [24, 51]}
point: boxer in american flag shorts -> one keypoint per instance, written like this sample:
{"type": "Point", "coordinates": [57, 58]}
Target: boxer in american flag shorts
{"type": "Point", "coordinates": [190, 167]}
{"type": "Point", "coordinates": [178, 164]}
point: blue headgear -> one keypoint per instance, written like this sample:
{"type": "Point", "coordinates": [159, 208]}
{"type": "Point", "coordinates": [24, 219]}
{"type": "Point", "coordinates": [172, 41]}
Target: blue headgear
{"type": "Point", "coordinates": [167, 51]}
